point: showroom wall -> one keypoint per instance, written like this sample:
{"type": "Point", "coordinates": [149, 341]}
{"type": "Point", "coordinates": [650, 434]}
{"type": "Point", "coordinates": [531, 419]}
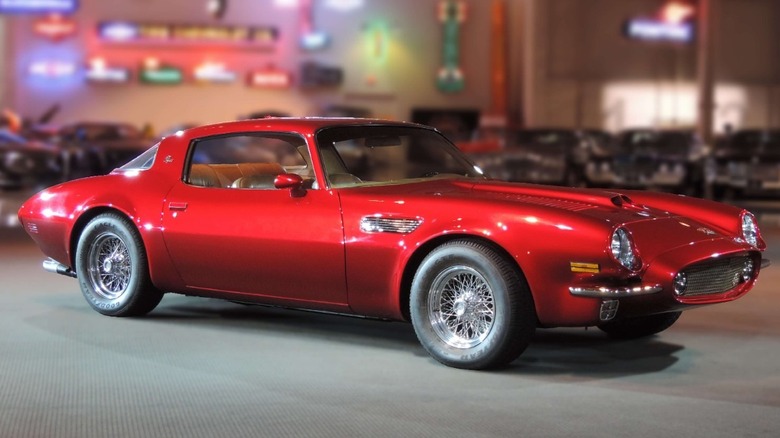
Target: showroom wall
{"type": "Point", "coordinates": [586, 74]}
{"type": "Point", "coordinates": [389, 53]}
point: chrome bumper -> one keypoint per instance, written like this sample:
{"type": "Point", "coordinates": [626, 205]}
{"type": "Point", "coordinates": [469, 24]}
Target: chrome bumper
{"type": "Point", "coordinates": [614, 292]}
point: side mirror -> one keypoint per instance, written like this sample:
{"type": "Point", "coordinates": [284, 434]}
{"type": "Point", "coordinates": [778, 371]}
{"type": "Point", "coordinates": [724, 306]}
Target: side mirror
{"type": "Point", "coordinates": [290, 181]}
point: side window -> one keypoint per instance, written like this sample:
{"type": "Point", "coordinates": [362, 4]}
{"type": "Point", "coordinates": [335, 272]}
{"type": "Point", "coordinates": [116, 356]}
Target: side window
{"type": "Point", "coordinates": [247, 161]}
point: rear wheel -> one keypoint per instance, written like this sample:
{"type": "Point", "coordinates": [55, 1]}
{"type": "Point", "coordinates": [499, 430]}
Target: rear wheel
{"type": "Point", "coordinates": [641, 326]}
{"type": "Point", "coordinates": [112, 268]}
{"type": "Point", "coordinates": [470, 307]}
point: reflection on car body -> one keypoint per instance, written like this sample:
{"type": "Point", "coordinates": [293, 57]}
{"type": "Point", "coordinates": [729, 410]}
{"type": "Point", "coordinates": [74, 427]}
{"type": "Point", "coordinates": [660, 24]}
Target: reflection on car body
{"type": "Point", "coordinates": [267, 212]}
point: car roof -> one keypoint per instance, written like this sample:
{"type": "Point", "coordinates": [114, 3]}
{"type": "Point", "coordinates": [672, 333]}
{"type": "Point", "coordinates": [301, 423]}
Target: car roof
{"type": "Point", "coordinates": [288, 124]}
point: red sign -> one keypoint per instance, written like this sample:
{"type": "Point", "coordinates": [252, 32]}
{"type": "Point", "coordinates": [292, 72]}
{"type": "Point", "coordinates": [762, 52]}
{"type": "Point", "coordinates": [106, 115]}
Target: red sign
{"type": "Point", "coordinates": [55, 27]}
{"type": "Point", "coordinates": [270, 78]}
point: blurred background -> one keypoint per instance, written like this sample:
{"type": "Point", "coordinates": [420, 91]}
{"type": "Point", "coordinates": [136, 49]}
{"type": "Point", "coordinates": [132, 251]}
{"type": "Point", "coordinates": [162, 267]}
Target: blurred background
{"type": "Point", "coordinates": [673, 95]}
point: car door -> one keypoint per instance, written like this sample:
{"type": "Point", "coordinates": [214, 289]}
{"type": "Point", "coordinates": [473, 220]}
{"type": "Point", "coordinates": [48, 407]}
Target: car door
{"type": "Point", "coordinates": [244, 236]}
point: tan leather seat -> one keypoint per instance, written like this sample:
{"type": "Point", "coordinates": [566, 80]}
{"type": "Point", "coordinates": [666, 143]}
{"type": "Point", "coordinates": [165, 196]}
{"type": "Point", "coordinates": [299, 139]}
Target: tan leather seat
{"type": "Point", "coordinates": [227, 175]}
{"type": "Point", "coordinates": [204, 176]}
{"type": "Point", "coordinates": [262, 181]}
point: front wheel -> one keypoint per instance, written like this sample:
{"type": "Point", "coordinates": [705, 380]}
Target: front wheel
{"type": "Point", "coordinates": [470, 307]}
{"type": "Point", "coordinates": [639, 327]}
{"type": "Point", "coordinates": [112, 268]}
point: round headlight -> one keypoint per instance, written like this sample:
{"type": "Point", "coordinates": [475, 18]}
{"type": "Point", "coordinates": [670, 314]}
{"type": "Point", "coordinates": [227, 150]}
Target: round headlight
{"type": "Point", "coordinates": [680, 283]}
{"type": "Point", "coordinates": [622, 248]}
{"type": "Point", "coordinates": [750, 228]}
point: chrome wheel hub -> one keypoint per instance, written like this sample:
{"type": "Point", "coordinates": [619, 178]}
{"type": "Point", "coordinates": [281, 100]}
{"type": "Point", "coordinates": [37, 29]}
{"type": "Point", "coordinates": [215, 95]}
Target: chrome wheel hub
{"type": "Point", "coordinates": [461, 307]}
{"type": "Point", "coordinates": [110, 266]}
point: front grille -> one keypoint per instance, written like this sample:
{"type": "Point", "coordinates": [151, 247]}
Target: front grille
{"type": "Point", "coordinates": [715, 276]}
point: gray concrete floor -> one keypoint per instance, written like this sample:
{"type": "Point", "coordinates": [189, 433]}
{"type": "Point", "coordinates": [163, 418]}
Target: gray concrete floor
{"type": "Point", "coordinates": [199, 367]}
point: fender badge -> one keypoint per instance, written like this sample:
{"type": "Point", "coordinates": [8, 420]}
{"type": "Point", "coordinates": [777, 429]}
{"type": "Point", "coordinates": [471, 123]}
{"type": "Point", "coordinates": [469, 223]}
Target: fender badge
{"type": "Point", "coordinates": [168, 159]}
{"type": "Point", "coordinates": [706, 231]}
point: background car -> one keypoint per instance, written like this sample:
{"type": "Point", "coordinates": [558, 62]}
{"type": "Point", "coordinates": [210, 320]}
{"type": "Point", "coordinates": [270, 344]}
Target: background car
{"type": "Point", "coordinates": [96, 148]}
{"type": "Point", "coordinates": [557, 156]}
{"type": "Point", "coordinates": [266, 212]}
{"type": "Point", "coordinates": [28, 163]}
{"type": "Point", "coordinates": [747, 162]}
{"type": "Point", "coordinates": [670, 160]}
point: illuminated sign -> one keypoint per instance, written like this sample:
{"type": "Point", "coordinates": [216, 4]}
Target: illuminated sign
{"type": "Point", "coordinates": [214, 72]}
{"type": "Point", "coordinates": [344, 5]}
{"type": "Point", "coordinates": [52, 69]}
{"type": "Point", "coordinates": [131, 32]}
{"type": "Point", "coordinates": [269, 78]}
{"type": "Point", "coordinates": [55, 27]}
{"type": "Point", "coordinates": [99, 72]}
{"type": "Point", "coordinates": [646, 29]}
{"type": "Point", "coordinates": [452, 14]}
{"type": "Point", "coordinates": [314, 74]}
{"type": "Point", "coordinates": [38, 6]}
{"type": "Point", "coordinates": [152, 72]}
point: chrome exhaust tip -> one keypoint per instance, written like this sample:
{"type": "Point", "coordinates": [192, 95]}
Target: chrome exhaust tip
{"type": "Point", "coordinates": [56, 267]}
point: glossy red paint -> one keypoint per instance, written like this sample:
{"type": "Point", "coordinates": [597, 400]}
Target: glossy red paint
{"type": "Point", "coordinates": [310, 247]}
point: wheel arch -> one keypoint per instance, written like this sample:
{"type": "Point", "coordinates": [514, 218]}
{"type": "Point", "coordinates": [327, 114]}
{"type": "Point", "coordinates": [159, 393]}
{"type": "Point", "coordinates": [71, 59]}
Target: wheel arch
{"type": "Point", "coordinates": [413, 263]}
{"type": "Point", "coordinates": [84, 219]}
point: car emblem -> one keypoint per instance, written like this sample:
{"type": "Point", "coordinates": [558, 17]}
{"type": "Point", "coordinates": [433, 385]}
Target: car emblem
{"type": "Point", "coordinates": [706, 231]}
{"type": "Point", "coordinates": [168, 159]}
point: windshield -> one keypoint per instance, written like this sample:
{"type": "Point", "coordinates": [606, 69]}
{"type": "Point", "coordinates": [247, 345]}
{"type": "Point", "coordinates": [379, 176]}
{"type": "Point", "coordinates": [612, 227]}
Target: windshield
{"type": "Point", "coordinates": [376, 155]}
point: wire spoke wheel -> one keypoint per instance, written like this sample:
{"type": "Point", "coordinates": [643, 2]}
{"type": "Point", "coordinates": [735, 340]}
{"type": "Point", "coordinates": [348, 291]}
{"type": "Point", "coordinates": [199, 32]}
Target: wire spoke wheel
{"type": "Point", "coordinates": [461, 307]}
{"type": "Point", "coordinates": [110, 266]}
{"type": "Point", "coordinates": [471, 306]}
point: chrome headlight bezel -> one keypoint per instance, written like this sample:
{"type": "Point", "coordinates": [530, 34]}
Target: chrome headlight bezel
{"type": "Point", "coordinates": [749, 228]}
{"type": "Point", "coordinates": [623, 249]}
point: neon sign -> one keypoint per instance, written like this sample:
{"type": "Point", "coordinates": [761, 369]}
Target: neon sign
{"type": "Point", "coordinates": [38, 6]}
{"type": "Point", "coordinates": [132, 32]}
{"type": "Point", "coordinates": [52, 69]}
{"type": "Point", "coordinates": [214, 72]}
{"type": "Point", "coordinates": [55, 27]}
{"type": "Point", "coordinates": [646, 29]}
{"type": "Point", "coordinates": [452, 14]}
{"type": "Point", "coordinates": [269, 78]}
{"type": "Point", "coordinates": [152, 72]}
{"type": "Point", "coordinates": [98, 71]}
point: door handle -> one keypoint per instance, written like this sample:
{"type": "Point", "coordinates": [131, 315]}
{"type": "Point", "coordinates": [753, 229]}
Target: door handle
{"type": "Point", "coordinates": [177, 205]}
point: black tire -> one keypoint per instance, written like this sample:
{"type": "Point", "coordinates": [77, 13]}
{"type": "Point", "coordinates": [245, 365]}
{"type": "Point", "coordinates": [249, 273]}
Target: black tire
{"type": "Point", "coordinates": [112, 268]}
{"type": "Point", "coordinates": [491, 318]}
{"type": "Point", "coordinates": [639, 327]}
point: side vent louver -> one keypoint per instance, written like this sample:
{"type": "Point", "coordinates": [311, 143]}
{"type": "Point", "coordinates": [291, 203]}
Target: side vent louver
{"type": "Point", "coordinates": [377, 224]}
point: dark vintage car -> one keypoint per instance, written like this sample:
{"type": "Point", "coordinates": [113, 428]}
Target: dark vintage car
{"type": "Point", "coordinates": [97, 148]}
{"type": "Point", "coordinates": [670, 160]}
{"type": "Point", "coordinates": [28, 163]}
{"type": "Point", "coordinates": [266, 212]}
{"type": "Point", "coordinates": [549, 156]}
{"type": "Point", "coordinates": [747, 163]}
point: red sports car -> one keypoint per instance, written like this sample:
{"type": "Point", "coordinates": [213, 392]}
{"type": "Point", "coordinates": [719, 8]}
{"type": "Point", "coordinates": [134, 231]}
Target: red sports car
{"type": "Point", "coordinates": [267, 212]}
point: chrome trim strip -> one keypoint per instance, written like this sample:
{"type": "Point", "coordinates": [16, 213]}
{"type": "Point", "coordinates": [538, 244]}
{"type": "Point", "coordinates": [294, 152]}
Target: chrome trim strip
{"type": "Point", "coordinates": [614, 292]}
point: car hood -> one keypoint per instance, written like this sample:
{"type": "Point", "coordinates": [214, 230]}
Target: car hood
{"type": "Point", "coordinates": [606, 204]}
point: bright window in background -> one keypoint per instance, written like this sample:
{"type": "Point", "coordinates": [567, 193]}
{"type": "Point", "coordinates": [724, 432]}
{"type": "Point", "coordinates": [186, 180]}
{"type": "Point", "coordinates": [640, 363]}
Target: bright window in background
{"type": "Point", "coordinates": [664, 104]}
